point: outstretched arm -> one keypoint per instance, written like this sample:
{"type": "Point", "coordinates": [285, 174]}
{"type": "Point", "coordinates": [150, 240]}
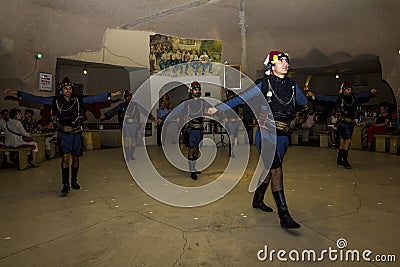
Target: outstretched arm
{"type": "Point", "coordinates": [10, 91]}
{"type": "Point", "coordinates": [101, 97]}
{"type": "Point", "coordinates": [326, 98]}
{"type": "Point", "coordinates": [236, 101]}
{"type": "Point", "coordinates": [109, 114]}
{"type": "Point", "coordinates": [365, 96]}
{"type": "Point", "coordinates": [30, 98]}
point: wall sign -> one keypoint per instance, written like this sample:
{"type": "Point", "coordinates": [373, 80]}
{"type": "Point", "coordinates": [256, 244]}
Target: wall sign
{"type": "Point", "coordinates": [45, 81]}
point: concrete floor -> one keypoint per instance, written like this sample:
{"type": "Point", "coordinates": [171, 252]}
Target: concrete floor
{"type": "Point", "coordinates": [112, 222]}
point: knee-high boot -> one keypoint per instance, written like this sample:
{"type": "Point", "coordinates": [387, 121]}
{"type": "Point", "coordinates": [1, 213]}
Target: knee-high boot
{"type": "Point", "coordinates": [194, 165]}
{"type": "Point", "coordinates": [283, 212]}
{"type": "Point", "coordinates": [74, 179]}
{"type": "Point", "coordinates": [192, 169]}
{"type": "Point", "coordinates": [339, 160]}
{"type": "Point", "coordinates": [258, 198]}
{"type": "Point", "coordinates": [231, 154]}
{"type": "Point", "coordinates": [65, 180]}
{"type": "Point", "coordinates": [133, 148]}
{"type": "Point", "coordinates": [127, 151]}
{"type": "Point", "coordinates": [346, 163]}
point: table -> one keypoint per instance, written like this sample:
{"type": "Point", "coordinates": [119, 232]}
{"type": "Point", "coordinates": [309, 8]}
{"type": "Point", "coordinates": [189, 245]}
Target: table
{"type": "Point", "coordinates": [110, 138]}
{"type": "Point", "coordinates": [357, 138]}
{"type": "Point", "coordinates": [91, 140]}
{"type": "Point", "coordinates": [39, 138]}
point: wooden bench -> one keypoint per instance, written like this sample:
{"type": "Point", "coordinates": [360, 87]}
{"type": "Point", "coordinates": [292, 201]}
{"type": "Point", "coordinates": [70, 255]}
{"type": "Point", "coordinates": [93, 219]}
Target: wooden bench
{"type": "Point", "coordinates": [53, 149]}
{"type": "Point", "coordinates": [294, 138]}
{"type": "Point", "coordinates": [394, 144]}
{"type": "Point", "coordinates": [22, 155]}
{"type": "Point", "coordinates": [380, 142]}
{"type": "Point", "coordinates": [91, 140]}
{"type": "Point", "coordinates": [323, 139]}
{"type": "Point", "coordinates": [305, 133]}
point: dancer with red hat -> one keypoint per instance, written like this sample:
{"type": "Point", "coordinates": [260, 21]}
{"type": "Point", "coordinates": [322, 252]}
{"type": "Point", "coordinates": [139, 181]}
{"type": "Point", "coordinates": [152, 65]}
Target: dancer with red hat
{"type": "Point", "coordinates": [192, 110]}
{"type": "Point", "coordinates": [68, 109]}
{"type": "Point", "coordinates": [282, 95]}
{"type": "Point", "coordinates": [346, 103]}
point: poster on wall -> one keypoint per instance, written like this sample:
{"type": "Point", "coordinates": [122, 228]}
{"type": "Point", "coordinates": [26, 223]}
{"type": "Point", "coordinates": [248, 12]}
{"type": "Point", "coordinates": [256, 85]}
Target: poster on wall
{"type": "Point", "coordinates": [45, 81]}
{"type": "Point", "coordinates": [173, 56]}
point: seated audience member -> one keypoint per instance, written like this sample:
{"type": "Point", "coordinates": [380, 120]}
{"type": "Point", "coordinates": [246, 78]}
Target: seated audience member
{"type": "Point", "coordinates": [379, 125]}
{"type": "Point", "coordinates": [15, 134]}
{"type": "Point", "coordinates": [29, 122]}
{"type": "Point", "coordinates": [332, 129]}
{"type": "Point", "coordinates": [310, 121]}
{"type": "Point", "coordinates": [5, 116]}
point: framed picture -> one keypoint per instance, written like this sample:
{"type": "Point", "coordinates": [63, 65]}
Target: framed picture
{"type": "Point", "coordinates": [233, 76]}
{"type": "Point", "coordinates": [45, 81]}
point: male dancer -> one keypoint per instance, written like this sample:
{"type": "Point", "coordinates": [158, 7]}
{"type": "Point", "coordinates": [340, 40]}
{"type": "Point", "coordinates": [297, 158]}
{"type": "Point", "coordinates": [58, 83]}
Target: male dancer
{"type": "Point", "coordinates": [347, 103]}
{"type": "Point", "coordinates": [282, 95]}
{"type": "Point", "coordinates": [68, 109]}
{"type": "Point", "coordinates": [193, 110]}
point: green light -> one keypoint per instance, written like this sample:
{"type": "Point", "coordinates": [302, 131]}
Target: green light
{"type": "Point", "coordinates": [39, 55]}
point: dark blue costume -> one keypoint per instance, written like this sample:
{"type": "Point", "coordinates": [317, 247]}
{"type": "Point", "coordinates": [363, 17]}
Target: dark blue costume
{"type": "Point", "coordinates": [282, 95]}
{"type": "Point", "coordinates": [285, 97]}
{"type": "Point", "coordinates": [130, 122]}
{"type": "Point", "coordinates": [69, 114]}
{"type": "Point", "coordinates": [162, 113]}
{"type": "Point", "coordinates": [346, 105]}
{"type": "Point", "coordinates": [193, 110]}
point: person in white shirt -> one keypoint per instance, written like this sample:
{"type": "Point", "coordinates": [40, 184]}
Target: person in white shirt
{"type": "Point", "coordinates": [15, 134]}
{"type": "Point", "coordinates": [310, 121]}
{"type": "Point", "coordinates": [332, 123]}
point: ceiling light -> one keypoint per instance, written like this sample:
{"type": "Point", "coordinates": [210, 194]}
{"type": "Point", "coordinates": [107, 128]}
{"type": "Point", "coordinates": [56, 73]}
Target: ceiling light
{"type": "Point", "coordinates": [85, 70]}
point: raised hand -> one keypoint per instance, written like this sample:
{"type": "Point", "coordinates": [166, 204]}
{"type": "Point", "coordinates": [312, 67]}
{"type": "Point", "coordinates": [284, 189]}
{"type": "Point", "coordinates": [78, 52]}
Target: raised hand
{"type": "Point", "coordinates": [212, 110]}
{"type": "Point", "coordinates": [10, 91]}
{"type": "Point", "coordinates": [310, 94]}
{"type": "Point", "coordinates": [116, 93]}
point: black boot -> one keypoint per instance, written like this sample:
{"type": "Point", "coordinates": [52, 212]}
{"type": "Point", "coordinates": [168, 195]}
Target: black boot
{"type": "Point", "coordinates": [258, 198]}
{"type": "Point", "coordinates": [193, 175]}
{"type": "Point", "coordinates": [74, 179]}
{"type": "Point", "coordinates": [346, 163]}
{"type": "Point", "coordinates": [65, 180]}
{"type": "Point", "coordinates": [339, 160]}
{"type": "Point", "coordinates": [284, 216]}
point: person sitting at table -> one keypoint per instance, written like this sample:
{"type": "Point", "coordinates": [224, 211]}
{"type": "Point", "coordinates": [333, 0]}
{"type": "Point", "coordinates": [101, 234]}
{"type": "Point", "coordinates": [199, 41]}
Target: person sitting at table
{"type": "Point", "coordinates": [29, 122]}
{"type": "Point", "coordinates": [379, 125]}
{"type": "Point", "coordinates": [5, 117]}
{"type": "Point", "coordinates": [16, 135]}
{"type": "Point", "coordinates": [310, 121]}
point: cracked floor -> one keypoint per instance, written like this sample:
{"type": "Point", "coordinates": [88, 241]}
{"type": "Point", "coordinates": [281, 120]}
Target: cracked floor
{"type": "Point", "coordinates": [112, 222]}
